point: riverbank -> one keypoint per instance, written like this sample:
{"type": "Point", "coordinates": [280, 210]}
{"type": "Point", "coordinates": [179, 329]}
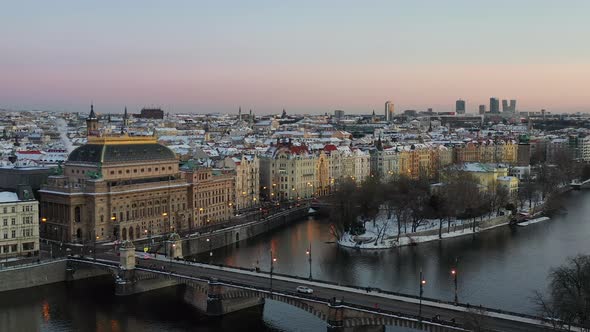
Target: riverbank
{"type": "Point", "coordinates": [376, 237]}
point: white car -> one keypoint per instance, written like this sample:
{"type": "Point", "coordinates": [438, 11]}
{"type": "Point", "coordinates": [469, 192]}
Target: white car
{"type": "Point", "coordinates": [304, 289]}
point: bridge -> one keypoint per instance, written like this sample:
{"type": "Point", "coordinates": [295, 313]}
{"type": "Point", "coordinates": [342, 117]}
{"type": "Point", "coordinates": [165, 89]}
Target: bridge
{"type": "Point", "coordinates": [577, 184]}
{"type": "Point", "coordinates": [217, 290]}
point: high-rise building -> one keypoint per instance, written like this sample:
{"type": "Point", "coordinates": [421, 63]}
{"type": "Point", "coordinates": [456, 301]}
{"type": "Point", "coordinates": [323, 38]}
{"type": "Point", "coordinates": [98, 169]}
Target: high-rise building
{"type": "Point", "coordinates": [510, 108]}
{"type": "Point", "coordinates": [389, 109]}
{"type": "Point", "coordinates": [482, 109]}
{"type": "Point", "coordinates": [460, 106]}
{"type": "Point", "coordinates": [338, 114]}
{"type": "Point", "coordinates": [494, 105]}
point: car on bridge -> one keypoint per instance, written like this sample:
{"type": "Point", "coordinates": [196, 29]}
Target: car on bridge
{"type": "Point", "coordinates": [304, 289]}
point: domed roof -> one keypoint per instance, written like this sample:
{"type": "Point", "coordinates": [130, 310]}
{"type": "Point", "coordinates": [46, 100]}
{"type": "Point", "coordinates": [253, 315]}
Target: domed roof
{"type": "Point", "coordinates": [121, 152]}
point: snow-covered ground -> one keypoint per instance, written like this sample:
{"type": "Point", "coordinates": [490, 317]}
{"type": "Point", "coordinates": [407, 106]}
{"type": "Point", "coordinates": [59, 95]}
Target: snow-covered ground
{"type": "Point", "coordinates": [377, 238]}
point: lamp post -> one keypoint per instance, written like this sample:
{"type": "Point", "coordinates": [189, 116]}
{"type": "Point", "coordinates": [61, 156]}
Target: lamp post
{"type": "Point", "coordinates": [455, 273]}
{"type": "Point", "coordinates": [422, 283]}
{"type": "Point", "coordinates": [308, 252]}
{"type": "Point", "coordinates": [272, 261]}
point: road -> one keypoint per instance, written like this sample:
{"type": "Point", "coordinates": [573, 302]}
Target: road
{"type": "Point", "coordinates": [358, 297]}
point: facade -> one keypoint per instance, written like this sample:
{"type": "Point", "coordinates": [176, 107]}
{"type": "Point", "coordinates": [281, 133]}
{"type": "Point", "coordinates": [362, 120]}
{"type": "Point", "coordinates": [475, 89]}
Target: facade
{"type": "Point", "coordinates": [494, 105]}
{"type": "Point", "coordinates": [211, 194]}
{"type": "Point", "coordinates": [288, 172]}
{"type": "Point", "coordinates": [509, 107]}
{"type": "Point", "coordinates": [19, 225]}
{"type": "Point", "coordinates": [116, 188]}
{"type": "Point", "coordinates": [247, 180]}
{"type": "Point", "coordinates": [511, 185]}
{"type": "Point", "coordinates": [389, 110]}
{"type": "Point", "coordinates": [487, 175]}
{"type": "Point", "coordinates": [482, 109]}
{"type": "Point", "coordinates": [150, 113]}
{"type": "Point", "coordinates": [460, 106]}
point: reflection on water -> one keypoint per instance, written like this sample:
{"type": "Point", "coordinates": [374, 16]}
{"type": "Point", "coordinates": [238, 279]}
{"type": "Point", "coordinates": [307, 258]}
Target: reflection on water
{"type": "Point", "coordinates": [499, 268]}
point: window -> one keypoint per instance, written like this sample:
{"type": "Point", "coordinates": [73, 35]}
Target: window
{"type": "Point", "coordinates": [13, 221]}
{"type": "Point", "coordinates": [4, 210]}
{"type": "Point", "coordinates": [5, 222]}
{"type": "Point", "coordinates": [13, 248]}
{"type": "Point", "coordinates": [13, 234]}
{"type": "Point", "coordinates": [13, 209]}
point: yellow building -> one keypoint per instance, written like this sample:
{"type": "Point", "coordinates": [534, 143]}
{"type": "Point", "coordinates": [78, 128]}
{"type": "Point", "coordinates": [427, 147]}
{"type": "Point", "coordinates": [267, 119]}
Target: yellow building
{"type": "Point", "coordinates": [288, 172]}
{"type": "Point", "coordinates": [247, 186]}
{"type": "Point", "coordinates": [510, 183]}
{"type": "Point", "coordinates": [211, 194]}
{"type": "Point", "coordinates": [487, 175]}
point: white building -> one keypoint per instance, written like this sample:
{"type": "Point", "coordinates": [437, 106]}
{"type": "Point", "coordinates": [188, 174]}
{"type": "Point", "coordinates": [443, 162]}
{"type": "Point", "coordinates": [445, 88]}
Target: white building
{"type": "Point", "coordinates": [19, 223]}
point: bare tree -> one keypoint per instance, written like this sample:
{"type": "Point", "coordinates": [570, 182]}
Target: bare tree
{"type": "Point", "coordinates": [569, 293]}
{"type": "Point", "coordinates": [344, 209]}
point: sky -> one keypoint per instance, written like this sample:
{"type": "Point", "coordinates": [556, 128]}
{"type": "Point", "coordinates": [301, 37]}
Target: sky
{"type": "Point", "coordinates": [304, 56]}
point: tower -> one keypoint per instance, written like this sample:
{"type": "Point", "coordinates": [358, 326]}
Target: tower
{"type": "Point", "coordinates": [482, 109]}
{"type": "Point", "coordinates": [240, 113]}
{"type": "Point", "coordinates": [460, 106]}
{"type": "Point", "coordinates": [92, 123]}
{"type": "Point", "coordinates": [125, 126]}
{"type": "Point", "coordinates": [494, 105]}
{"type": "Point", "coordinates": [389, 108]}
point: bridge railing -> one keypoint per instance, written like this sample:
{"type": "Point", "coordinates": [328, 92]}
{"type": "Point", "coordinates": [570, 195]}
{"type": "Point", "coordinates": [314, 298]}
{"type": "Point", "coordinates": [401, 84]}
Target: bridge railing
{"type": "Point", "coordinates": [466, 306]}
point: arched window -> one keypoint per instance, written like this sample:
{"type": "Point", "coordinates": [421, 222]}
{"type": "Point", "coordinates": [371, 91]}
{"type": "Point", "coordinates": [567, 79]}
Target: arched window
{"type": "Point", "coordinates": [78, 233]}
{"type": "Point", "coordinates": [124, 234]}
{"type": "Point", "coordinates": [131, 233]}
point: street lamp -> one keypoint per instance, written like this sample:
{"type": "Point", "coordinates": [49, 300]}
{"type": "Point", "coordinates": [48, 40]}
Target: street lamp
{"type": "Point", "coordinates": [272, 261]}
{"type": "Point", "coordinates": [308, 252]}
{"type": "Point", "coordinates": [422, 283]}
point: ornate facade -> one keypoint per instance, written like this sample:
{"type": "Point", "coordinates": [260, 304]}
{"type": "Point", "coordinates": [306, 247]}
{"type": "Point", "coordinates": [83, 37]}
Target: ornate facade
{"type": "Point", "coordinates": [115, 188]}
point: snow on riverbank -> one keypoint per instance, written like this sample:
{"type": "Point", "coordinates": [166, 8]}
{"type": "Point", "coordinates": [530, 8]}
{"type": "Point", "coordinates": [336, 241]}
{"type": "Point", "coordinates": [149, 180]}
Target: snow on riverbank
{"type": "Point", "coordinates": [373, 237]}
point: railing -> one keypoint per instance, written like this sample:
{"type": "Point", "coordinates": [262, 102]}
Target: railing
{"type": "Point", "coordinates": [466, 306]}
{"type": "Point", "coordinates": [3, 267]}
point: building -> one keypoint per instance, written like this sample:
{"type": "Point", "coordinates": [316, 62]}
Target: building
{"type": "Point", "coordinates": [150, 113]}
{"type": "Point", "coordinates": [13, 176]}
{"type": "Point", "coordinates": [482, 109]}
{"type": "Point", "coordinates": [494, 105]}
{"type": "Point", "coordinates": [19, 228]}
{"type": "Point", "coordinates": [509, 107]}
{"type": "Point", "coordinates": [247, 180]}
{"type": "Point", "coordinates": [460, 106]}
{"type": "Point", "coordinates": [115, 188]}
{"type": "Point", "coordinates": [487, 175]}
{"type": "Point", "coordinates": [288, 172]}
{"type": "Point", "coordinates": [211, 194]}
{"type": "Point", "coordinates": [510, 183]}
{"type": "Point", "coordinates": [339, 115]}
{"type": "Point", "coordinates": [389, 111]}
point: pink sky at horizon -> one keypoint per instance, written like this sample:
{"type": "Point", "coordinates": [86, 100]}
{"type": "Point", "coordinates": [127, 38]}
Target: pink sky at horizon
{"type": "Point", "coordinates": [353, 88]}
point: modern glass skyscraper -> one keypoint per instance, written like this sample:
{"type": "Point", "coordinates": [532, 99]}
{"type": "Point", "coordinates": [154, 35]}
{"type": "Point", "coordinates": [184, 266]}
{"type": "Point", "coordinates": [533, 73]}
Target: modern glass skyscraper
{"type": "Point", "coordinates": [460, 106]}
{"type": "Point", "coordinates": [494, 105]}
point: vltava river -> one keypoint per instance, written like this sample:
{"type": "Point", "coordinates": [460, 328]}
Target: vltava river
{"type": "Point", "coordinates": [499, 268]}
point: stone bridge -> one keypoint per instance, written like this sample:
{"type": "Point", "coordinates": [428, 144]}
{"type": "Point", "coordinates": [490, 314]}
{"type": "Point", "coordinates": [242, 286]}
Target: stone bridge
{"type": "Point", "coordinates": [218, 290]}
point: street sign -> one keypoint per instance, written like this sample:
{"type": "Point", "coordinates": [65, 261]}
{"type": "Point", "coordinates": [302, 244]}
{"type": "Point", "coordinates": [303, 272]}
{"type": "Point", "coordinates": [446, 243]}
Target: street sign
{"type": "Point", "coordinates": [145, 249]}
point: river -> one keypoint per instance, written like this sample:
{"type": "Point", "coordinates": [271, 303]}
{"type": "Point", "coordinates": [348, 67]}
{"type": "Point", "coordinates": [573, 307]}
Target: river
{"type": "Point", "coordinates": [499, 268]}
